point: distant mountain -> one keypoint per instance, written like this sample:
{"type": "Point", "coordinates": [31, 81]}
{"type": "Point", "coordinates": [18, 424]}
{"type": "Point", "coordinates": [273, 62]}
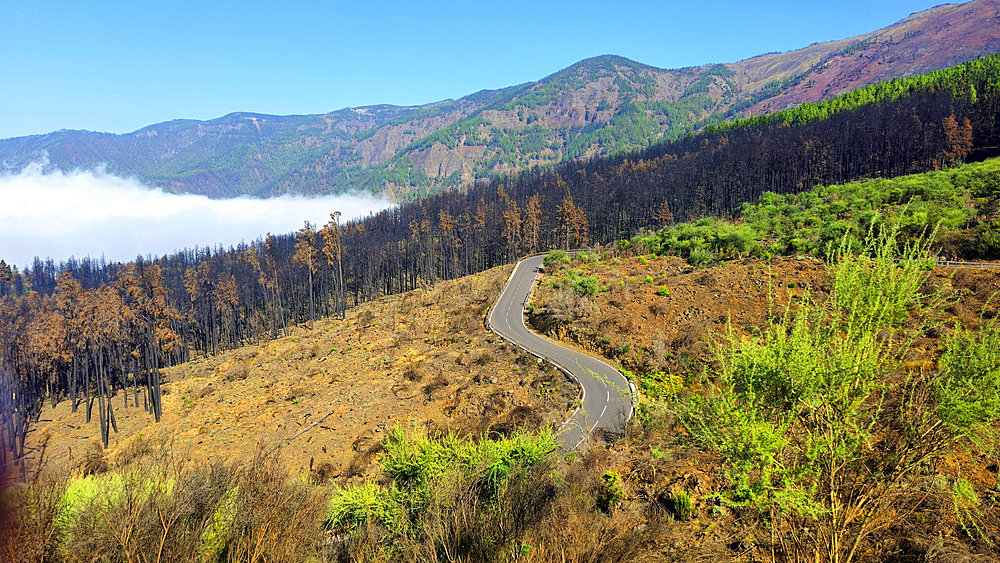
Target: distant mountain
{"type": "Point", "coordinates": [941, 37]}
{"type": "Point", "coordinates": [599, 106]}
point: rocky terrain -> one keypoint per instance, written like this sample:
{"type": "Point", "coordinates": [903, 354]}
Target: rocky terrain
{"type": "Point", "coordinates": [923, 42]}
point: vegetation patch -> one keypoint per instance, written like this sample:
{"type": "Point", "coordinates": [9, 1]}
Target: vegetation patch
{"type": "Point", "coordinates": [814, 421]}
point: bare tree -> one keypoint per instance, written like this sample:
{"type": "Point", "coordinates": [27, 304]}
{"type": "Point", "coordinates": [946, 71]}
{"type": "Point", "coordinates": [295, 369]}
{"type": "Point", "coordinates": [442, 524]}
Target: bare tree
{"type": "Point", "coordinates": [307, 255]}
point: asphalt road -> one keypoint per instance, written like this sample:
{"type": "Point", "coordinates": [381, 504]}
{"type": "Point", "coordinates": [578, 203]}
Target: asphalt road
{"type": "Point", "coordinates": [606, 396]}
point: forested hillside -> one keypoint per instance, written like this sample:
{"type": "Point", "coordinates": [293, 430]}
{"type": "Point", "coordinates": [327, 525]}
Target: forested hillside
{"type": "Point", "coordinates": [82, 329]}
{"type": "Point", "coordinates": [602, 106]}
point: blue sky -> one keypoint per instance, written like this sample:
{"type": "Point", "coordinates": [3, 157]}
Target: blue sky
{"type": "Point", "coordinates": [118, 66]}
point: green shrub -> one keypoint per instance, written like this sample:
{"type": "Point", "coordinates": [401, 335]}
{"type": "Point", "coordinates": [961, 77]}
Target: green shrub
{"type": "Point", "coordinates": [663, 291]}
{"type": "Point", "coordinates": [164, 509]}
{"type": "Point", "coordinates": [660, 384]}
{"type": "Point", "coordinates": [80, 495]}
{"type": "Point", "coordinates": [816, 221]}
{"type": "Point", "coordinates": [701, 257]}
{"type": "Point", "coordinates": [84, 495]}
{"type": "Point", "coordinates": [555, 257]}
{"type": "Point", "coordinates": [358, 506]}
{"type": "Point", "coordinates": [417, 463]}
{"type": "Point", "coordinates": [683, 504]}
{"type": "Point", "coordinates": [470, 497]}
{"type": "Point", "coordinates": [987, 244]}
{"type": "Point", "coordinates": [967, 507]}
{"type": "Point", "coordinates": [585, 286]}
{"type": "Point", "coordinates": [609, 491]}
{"type": "Point", "coordinates": [874, 289]}
{"type": "Point", "coordinates": [217, 532]}
{"type": "Point", "coordinates": [968, 386]}
{"type": "Point", "coordinates": [799, 414]}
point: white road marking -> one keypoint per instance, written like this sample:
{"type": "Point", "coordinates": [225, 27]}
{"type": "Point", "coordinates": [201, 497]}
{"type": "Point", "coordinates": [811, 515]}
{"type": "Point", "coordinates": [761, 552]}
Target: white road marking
{"type": "Point", "coordinates": [552, 351]}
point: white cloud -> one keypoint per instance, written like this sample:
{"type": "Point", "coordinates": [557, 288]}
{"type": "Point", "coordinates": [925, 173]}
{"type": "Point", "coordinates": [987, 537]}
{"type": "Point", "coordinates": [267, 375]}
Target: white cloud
{"type": "Point", "coordinates": [89, 212]}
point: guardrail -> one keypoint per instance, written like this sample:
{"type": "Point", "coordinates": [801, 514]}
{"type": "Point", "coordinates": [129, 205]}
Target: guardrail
{"type": "Point", "coordinates": [954, 264]}
{"type": "Point", "coordinates": [960, 264]}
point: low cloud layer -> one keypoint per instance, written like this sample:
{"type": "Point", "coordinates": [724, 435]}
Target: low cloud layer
{"type": "Point", "coordinates": [59, 214]}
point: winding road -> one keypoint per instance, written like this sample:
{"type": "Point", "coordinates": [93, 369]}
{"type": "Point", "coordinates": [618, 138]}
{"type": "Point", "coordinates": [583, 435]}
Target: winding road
{"type": "Point", "coordinates": [606, 402]}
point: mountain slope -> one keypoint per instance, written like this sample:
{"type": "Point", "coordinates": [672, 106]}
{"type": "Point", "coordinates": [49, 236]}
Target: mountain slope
{"type": "Point", "coordinates": [937, 38]}
{"type": "Point", "coordinates": [599, 106]}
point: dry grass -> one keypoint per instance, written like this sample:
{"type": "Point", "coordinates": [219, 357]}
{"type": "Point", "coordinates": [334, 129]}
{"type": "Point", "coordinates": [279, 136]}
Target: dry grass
{"type": "Point", "coordinates": [159, 508]}
{"type": "Point", "coordinates": [94, 461]}
{"type": "Point", "coordinates": [424, 355]}
{"type": "Point", "coordinates": [28, 517]}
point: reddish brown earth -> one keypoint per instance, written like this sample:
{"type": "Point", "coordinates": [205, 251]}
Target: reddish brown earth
{"type": "Point", "coordinates": [649, 332]}
{"type": "Point", "coordinates": [933, 39]}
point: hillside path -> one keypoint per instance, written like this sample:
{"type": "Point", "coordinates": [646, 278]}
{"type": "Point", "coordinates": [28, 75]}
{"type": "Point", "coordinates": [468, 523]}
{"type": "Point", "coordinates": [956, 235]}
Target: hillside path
{"type": "Point", "coordinates": [606, 395]}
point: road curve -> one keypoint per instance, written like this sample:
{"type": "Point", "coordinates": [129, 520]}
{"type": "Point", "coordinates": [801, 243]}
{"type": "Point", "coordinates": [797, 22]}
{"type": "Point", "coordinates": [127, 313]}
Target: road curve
{"type": "Point", "coordinates": [606, 394]}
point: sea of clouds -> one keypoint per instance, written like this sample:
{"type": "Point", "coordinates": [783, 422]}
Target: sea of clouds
{"type": "Point", "coordinates": [55, 214]}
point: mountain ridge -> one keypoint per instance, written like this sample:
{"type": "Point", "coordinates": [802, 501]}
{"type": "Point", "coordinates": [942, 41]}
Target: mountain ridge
{"type": "Point", "coordinates": [599, 106]}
